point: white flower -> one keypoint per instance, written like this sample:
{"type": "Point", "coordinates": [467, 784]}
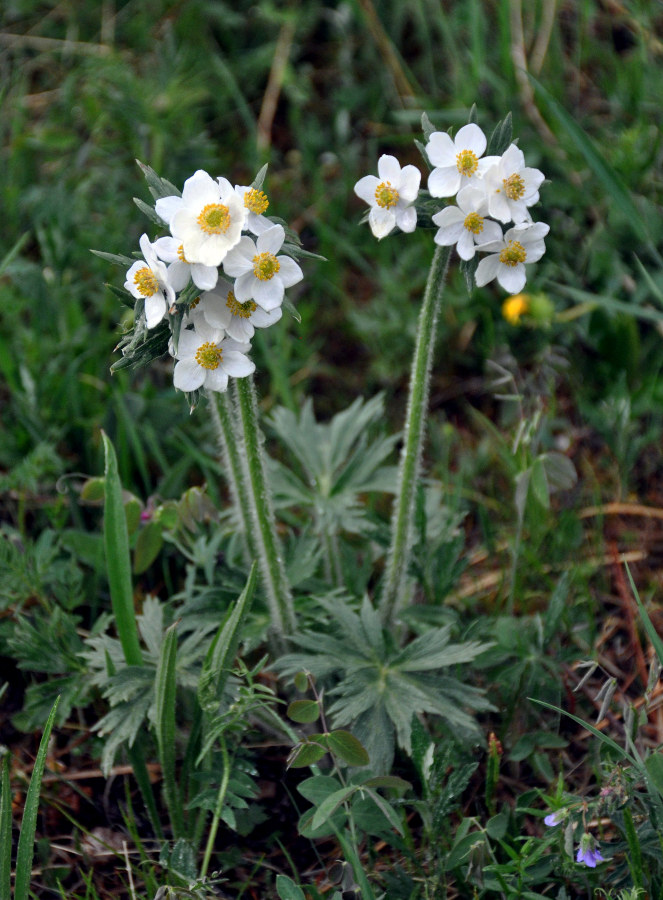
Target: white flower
{"type": "Point", "coordinates": [456, 159]}
{"type": "Point", "coordinates": [256, 203]}
{"type": "Point", "coordinates": [260, 274]}
{"type": "Point", "coordinates": [521, 244]}
{"type": "Point", "coordinates": [390, 196]}
{"type": "Point", "coordinates": [207, 219]}
{"type": "Point", "coordinates": [511, 187]}
{"type": "Point", "coordinates": [205, 359]}
{"type": "Point", "coordinates": [466, 225]}
{"type": "Point", "coordinates": [148, 278]}
{"type": "Point", "coordinates": [180, 270]}
{"type": "Point", "coordinates": [222, 310]}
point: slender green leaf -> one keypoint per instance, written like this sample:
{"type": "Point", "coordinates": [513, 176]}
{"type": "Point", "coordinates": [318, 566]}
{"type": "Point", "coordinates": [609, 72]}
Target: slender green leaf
{"type": "Point", "coordinates": [387, 810]}
{"type": "Point", "coordinates": [330, 804]}
{"type": "Point", "coordinates": [654, 766]}
{"type": "Point", "coordinates": [26, 841]}
{"type": "Point", "coordinates": [165, 691]}
{"type": "Point", "coordinates": [5, 831]}
{"type": "Point", "coordinates": [652, 634]}
{"type": "Point", "coordinates": [223, 648]}
{"type": "Point", "coordinates": [287, 889]}
{"type": "Point", "coordinates": [304, 711]}
{"type": "Point", "coordinates": [118, 561]}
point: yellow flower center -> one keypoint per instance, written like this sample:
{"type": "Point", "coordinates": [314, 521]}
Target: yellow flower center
{"type": "Point", "coordinates": [146, 282]}
{"type": "Point", "coordinates": [515, 307]}
{"type": "Point", "coordinates": [467, 162]}
{"type": "Point", "coordinates": [209, 356]}
{"type": "Point", "coordinates": [180, 254]}
{"type": "Point", "coordinates": [255, 201]}
{"type": "Point", "coordinates": [514, 186]}
{"type": "Point", "coordinates": [243, 310]}
{"type": "Point", "coordinates": [265, 266]}
{"type": "Point", "coordinates": [194, 303]}
{"type": "Point", "coordinates": [474, 223]}
{"type": "Point", "coordinates": [513, 254]}
{"type": "Point", "coordinates": [214, 218]}
{"type": "Point", "coordinates": [386, 195]}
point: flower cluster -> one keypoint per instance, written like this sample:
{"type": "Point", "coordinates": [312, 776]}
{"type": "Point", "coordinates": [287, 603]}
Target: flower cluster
{"type": "Point", "coordinates": [489, 192]}
{"type": "Point", "coordinates": [218, 276]}
{"type": "Point", "coordinates": [588, 853]}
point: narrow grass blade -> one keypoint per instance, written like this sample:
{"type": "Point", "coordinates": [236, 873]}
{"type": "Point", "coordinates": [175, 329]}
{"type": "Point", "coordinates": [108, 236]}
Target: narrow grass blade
{"type": "Point", "coordinates": [600, 301]}
{"type": "Point", "coordinates": [118, 560]}
{"type": "Point", "coordinates": [223, 648]}
{"type": "Point", "coordinates": [26, 841]}
{"type": "Point", "coordinates": [604, 173]}
{"type": "Point", "coordinates": [165, 691]}
{"type": "Point", "coordinates": [652, 634]}
{"type": "Point", "coordinates": [5, 832]}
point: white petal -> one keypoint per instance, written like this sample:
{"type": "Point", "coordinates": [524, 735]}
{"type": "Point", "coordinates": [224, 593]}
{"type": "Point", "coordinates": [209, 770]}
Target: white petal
{"type": "Point", "coordinates": [512, 278]}
{"type": "Point", "coordinates": [449, 234]}
{"type": "Point", "coordinates": [216, 379]}
{"type": "Point", "coordinates": [187, 344]}
{"type": "Point", "coordinates": [204, 277]}
{"type": "Point", "coordinates": [216, 312]}
{"type": "Point", "coordinates": [166, 248]}
{"type": "Point", "coordinates": [268, 293]}
{"type": "Point", "coordinates": [498, 207]}
{"type": "Point", "coordinates": [535, 251]}
{"type": "Point", "coordinates": [365, 189]}
{"type": "Point", "coordinates": [382, 221]}
{"type": "Point", "coordinates": [470, 137]}
{"type": "Point", "coordinates": [406, 219]}
{"type": "Point", "coordinates": [200, 189]}
{"type": "Point", "coordinates": [486, 270]}
{"type": "Point", "coordinates": [244, 286]}
{"type": "Point", "coordinates": [188, 375]}
{"type": "Point", "coordinates": [179, 274]}
{"type": "Point", "coordinates": [389, 169]}
{"type": "Point", "coordinates": [492, 233]}
{"type": "Point", "coordinates": [236, 364]}
{"type": "Point", "coordinates": [533, 179]}
{"type": "Point", "coordinates": [240, 329]}
{"type": "Point", "coordinates": [261, 318]}
{"type": "Point", "coordinates": [465, 245]}
{"type": "Point", "coordinates": [450, 215]}
{"type": "Point", "coordinates": [166, 207]}
{"type": "Point", "coordinates": [513, 159]}
{"type": "Point", "coordinates": [271, 241]}
{"type": "Point", "coordinates": [155, 309]}
{"type": "Point", "coordinates": [472, 198]}
{"type": "Point", "coordinates": [225, 187]}
{"type": "Point", "coordinates": [444, 182]}
{"type": "Point", "coordinates": [441, 150]}
{"type": "Point", "coordinates": [229, 344]}
{"type": "Point", "coordinates": [240, 259]}
{"type": "Point", "coordinates": [410, 181]}
{"type": "Point", "coordinates": [289, 271]}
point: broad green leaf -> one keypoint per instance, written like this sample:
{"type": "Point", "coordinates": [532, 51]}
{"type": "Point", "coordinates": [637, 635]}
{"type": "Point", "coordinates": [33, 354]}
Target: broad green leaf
{"type": "Point", "coordinates": [387, 810]}
{"type": "Point", "coordinates": [287, 889]}
{"type": "Point", "coordinates": [301, 681]}
{"type": "Point", "coordinates": [165, 695]}
{"type": "Point", "coordinates": [654, 766]}
{"type": "Point", "coordinates": [304, 711]}
{"type": "Point", "coordinates": [539, 483]}
{"type": "Point", "coordinates": [26, 841]}
{"type": "Point", "coordinates": [305, 755]}
{"type": "Point", "coordinates": [148, 544]}
{"type": "Point", "coordinates": [330, 804]}
{"type": "Point", "coordinates": [391, 782]}
{"type": "Point", "coordinates": [560, 472]}
{"type": "Point", "coordinates": [118, 562]}
{"type": "Point", "coordinates": [347, 748]}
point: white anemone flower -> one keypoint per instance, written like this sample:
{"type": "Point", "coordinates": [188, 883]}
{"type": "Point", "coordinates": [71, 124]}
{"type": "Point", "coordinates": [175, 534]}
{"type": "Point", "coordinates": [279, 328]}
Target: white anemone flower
{"type": "Point", "coordinates": [180, 270]}
{"type": "Point", "coordinates": [456, 159]}
{"type": "Point", "coordinates": [521, 244]}
{"type": "Point", "coordinates": [148, 278]}
{"type": "Point", "coordinates": [222, 309]}
{"type": "Point", "coordinates": [205, 359]}
{"type": "Point", "coordinates": [207, 219]}
{"type": "Point", "coordinates": [511, 187]}
{"type": "Point", "coordinates": [256, 203]}
{"type": "Point", "coordinates": [390, 196]}
{"type": "Point", "coordinates": [466, 225]}
{"type": "Point", "coordinates": [259, 273]}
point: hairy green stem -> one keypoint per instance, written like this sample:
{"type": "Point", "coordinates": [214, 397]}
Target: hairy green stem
{"type": "Point", "coordinates": [267, 543]}
{"type": "Point", "coordinates": [410, 462]}
{"type": "Point", "coordinates": [221, 796]}
{"type": "Point", "coordinates": [222, 417]}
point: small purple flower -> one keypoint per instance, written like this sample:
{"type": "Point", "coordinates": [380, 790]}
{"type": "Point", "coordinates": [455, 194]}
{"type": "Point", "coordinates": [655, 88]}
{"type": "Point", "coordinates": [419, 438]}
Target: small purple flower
{"type": "Point", "coordinates": [588, 852]}
{"type": "Point", "coordinates": [555, 818]}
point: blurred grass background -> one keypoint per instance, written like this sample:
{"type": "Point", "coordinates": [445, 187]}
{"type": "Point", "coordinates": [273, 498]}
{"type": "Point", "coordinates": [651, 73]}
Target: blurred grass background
{"type": "Point", "coordinates": [317, 90]}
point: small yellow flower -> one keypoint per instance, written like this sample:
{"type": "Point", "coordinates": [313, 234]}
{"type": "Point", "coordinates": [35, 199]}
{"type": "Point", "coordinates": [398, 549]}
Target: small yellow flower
{"type": "Point", "coordinates": [515, 307]}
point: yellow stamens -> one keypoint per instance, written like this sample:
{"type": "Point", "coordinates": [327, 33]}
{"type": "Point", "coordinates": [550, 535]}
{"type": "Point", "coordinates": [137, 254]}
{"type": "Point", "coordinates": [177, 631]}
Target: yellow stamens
{"type": "Point", "coordinates": [514, 307]}
{"type": "Point", "coordinates": [474, 223]}
{"type": "Point", "coordinates": [255, 201]}
{"type": "Point", "coordinates": [209, 356]}
{"type": "Point", "coordinates": [194, 303]}
{"type": "Point", "coordinates": [214, 218]}
{"type": "Point", "coordinates": [243, 310]}
{"type": "Point", "coordinates": [265, 266]}
{"type": "Point", "coordinates": [514, 186]}
{"type": "Point", "coordinates": [386, 195]}
{"type": "Point", "coordinates": [467, 162]}
{"type": "Point", "coordinates": [513, 254]}
{"type": "Point", "coordinates": [180, 254]}
{"type": "Point", "coordinates": [146, 282]}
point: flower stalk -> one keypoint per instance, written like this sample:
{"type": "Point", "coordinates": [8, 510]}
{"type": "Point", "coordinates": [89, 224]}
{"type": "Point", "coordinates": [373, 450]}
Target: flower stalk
{"type": "Point", "coordinates": [409, 468]}
{"type": "Point", "coordinates": [262, 522]}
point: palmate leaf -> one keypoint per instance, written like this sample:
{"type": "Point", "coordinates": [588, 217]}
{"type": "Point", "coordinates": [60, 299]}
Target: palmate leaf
{"type": "Point", "coordinates": [380, 686]}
